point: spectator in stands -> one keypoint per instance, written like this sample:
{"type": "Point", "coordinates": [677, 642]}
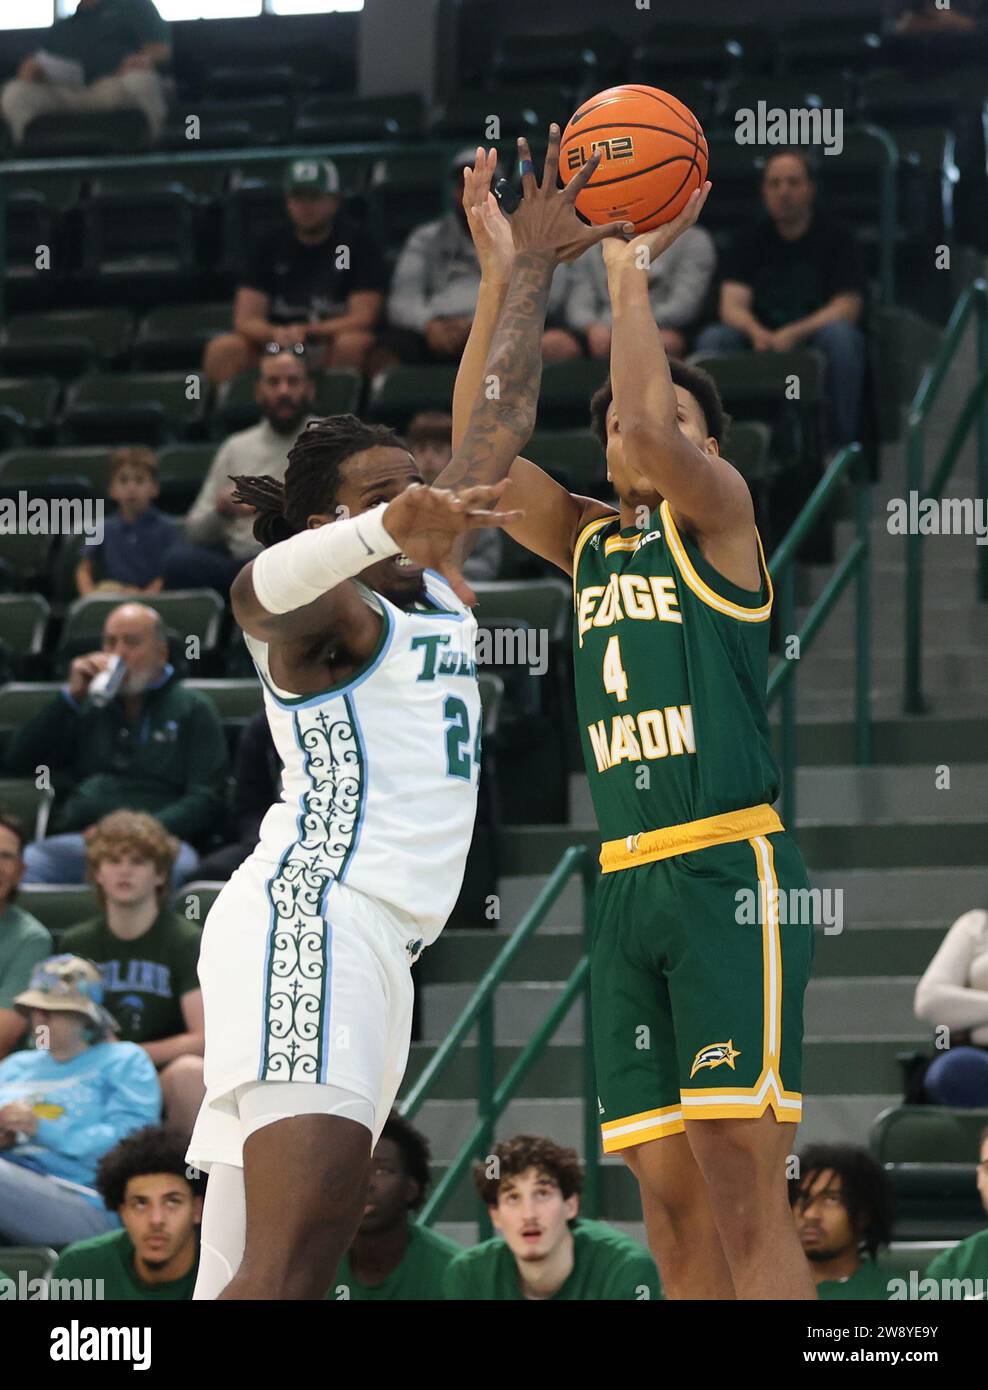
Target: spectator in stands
{"type": "Point", "coordinates": [795, 279]}
{"type": "Point", "coordinates": [969, 1258]}
{"type": "Point", "coordinates": [679, 281]}
{"type": "Point", "coordinates": [392, 1256]}
{"type": "Point", "coordinates": [155, 1255]}
{"type": "Point", "coordinates": [257, 778]}
{"type": "Point", "coordinates": [146, 954]}
{"type": "Point", "coordinates": [319, 281]}
{"type": "Point", "coordinates": [23, 940]}
{"type": "Point", "coordinates": [64, 1105]}
{"type": "Point", "coordinates": [926, 18]}
{"type": "Point", "coordinates": [155, 746]}
{"type": "Point", "coordinates": [131, 557]}
{"type": "Point", "coordinates": [219, 532]}
{"type": "Point", "coordinates": [548, 1250]}
{"type": "Point", "coordinates": [430, 439]}
{"type": "Point", "coordinates": [104, 57]}
{"type": "Point", "coordinates": [843, 1203]}
{"type": "Point", "coordinates": [953, 993]}
{"type": "Point", "coordinates": [434, 292]}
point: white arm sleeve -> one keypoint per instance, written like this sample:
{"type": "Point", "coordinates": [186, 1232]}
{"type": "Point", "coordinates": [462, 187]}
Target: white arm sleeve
{"type": "Point", "coordinates": [295, 572]}
{"type": "Point", "coordinates": [944, 994]}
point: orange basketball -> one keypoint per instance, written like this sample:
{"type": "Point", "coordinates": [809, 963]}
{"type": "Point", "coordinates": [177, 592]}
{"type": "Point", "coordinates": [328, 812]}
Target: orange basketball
{"type": "Point", "coordinates": [653, 155]}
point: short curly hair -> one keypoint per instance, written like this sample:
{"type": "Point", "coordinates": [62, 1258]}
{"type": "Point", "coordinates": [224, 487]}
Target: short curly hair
{"type": "Point", "coordinates": [515, 1156]}
{"type": "Point", "coordinates": [699, 383]}
{"type": "Point", "coordinates": [152, 1149]}
{"type": "Point", "coordinates": [867, 1190]}
{"type": "Point", "coordinates": [415, 1153]}
{"type": "Point", "coordinates": [138, 832]}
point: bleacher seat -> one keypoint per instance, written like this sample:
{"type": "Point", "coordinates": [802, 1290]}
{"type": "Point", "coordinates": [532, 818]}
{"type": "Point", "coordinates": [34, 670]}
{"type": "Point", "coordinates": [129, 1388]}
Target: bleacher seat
{"type": "Point", "coordinates": [24, 559]}
{"type": "Point", "coordinates": [194, 899]}
{"type": "Point", "coordinates": [240, 123]}
{"type": "Point", "coordinates": [182, 470]}
{"type": "Point", "coordinates": [337, 392]}
{"type": "Point", "coordinates": [190, 612]}
{"type": "Point", "coordinates": [174, 336]}
{"type": "Point", "coordinates": [148, 408]}
{"type": "Point", "coordinates": [465, 115]}
{"type": "Point", "coordinates": [713, 51]}
{"type": "Point", "coordinates": [587, 60]}
{"type": "Point", "coordinates": [837, 42]}
{"type": "Point", "coordinates": [134, 236]}
{"type": "Point", "coordinates": [573, 457]}
{"type": "Point", "coordinates": [55, 472]}
{"type": "Point", "coordinates": [29, 403]}
{"type": "Point", "coordinates": [833, 90]}
{"type": "Point", "coordinates": [542, 603]}
{"type": "Point", "coordinates": [21, 701]}
{"type": "Point", "coordinates": [403, 194]}
{"type": "Point", "coordinates": [564, 401]}
{"type": "Point", "coordinates": [235, 701]}
{"type": "Point", "coordinates": [904, 1256]}
{"type": "Point", "coordinates": [23, 624]}
{"type": "Point", "coordinates": [88, 133]}
{"type": "Point", "coordinates": [930, 1154]}
{"type": "Point", "coordinates": [58, 906]}
{"type": "Point", "coordinates": [746, 445]}
{"type": "Point", "coordinates": [401, 392]}
{"type": "Point", "coordinates": [31, 1261]}
{"type": "Point", "coordinates": [66, 342]}
{"type": "Point", "coordinates": [753, 384]}
{"type": "Point", "coordinates": [328, 119]}
{"type": "Point", "coordinates": [23, 798]}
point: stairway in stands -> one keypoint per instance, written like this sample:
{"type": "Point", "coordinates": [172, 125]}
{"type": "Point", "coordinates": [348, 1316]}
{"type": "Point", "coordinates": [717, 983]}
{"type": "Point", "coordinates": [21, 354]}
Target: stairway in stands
{"type": "Point", "coordinates": [907, 856]}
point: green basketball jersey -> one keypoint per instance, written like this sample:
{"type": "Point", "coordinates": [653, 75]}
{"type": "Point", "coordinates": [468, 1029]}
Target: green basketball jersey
{"type": "Point", "coordinates": [671, 664]}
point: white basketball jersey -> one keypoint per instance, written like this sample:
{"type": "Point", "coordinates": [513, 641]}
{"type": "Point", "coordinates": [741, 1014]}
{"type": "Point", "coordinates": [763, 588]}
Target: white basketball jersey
{"type": "Point", "coordinates": [379, 789]}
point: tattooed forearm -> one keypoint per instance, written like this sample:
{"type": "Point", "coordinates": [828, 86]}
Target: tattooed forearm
{"type": "Point", "coordinates": [503, 414]}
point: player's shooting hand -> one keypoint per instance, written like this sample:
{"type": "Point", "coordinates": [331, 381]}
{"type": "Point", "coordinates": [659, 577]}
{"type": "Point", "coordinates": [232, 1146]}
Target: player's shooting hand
{"type": "Point", "coordinates": [427, 521]}
{"type": "Point", "coordinates": [644, 250]}
{"type": "Point", "coordinates": [546, 220]}
{"type": "Point", "coordinates": [488, 225]}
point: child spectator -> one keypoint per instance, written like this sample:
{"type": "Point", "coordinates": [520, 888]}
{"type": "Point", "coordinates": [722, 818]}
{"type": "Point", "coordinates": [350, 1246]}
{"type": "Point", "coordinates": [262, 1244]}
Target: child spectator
{"type": "Point", "coordinates": [155, 1255]}
{"type": "Point", "coordinates": [136, 539]}
{"type": "Point", "coordinates": [843, 1206]}
{"type": "Point", "coordinates": [146, 955]}
{"type": "Point", "coordinates": [392, 1256]}
{"type": "Point", "coordinates": [549, 1251]}
{"type": "Point", "coordinates": [23, 940]}
{"type": "Point", "coordinates": [64, 1104]}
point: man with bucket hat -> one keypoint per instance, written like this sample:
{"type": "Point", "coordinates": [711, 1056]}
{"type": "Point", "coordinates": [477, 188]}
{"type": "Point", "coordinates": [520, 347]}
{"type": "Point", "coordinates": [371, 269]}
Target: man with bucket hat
{"type": "Point", "coordinates": [64, 1104]}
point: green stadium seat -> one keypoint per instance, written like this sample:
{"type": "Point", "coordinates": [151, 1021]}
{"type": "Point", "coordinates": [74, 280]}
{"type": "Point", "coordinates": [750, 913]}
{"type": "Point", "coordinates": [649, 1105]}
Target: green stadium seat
{"type": "Point", "coordinates": [59, 906]}
{"type": "Point", "coordinates": [401, 392]}
{"type": "Point", "coordinates": [403, 194]}
{"type": "Point", "coordinates": [147, 408]}
{"type": "Point", "coordinates": [193, 900]}
{"type": "Point", "coordinates": [66, 342]}
{"type": "Point", "coordinates": [545, 604]}
{"type": "Point", "coordinates": [31, 1261]}
{"type": "Point", "coordinates": [20, 796]}
{"type": "Point", "coordinates": [235, 701]}
{"type": "Point", "coordinates": [904, 1256]}
{"type": "Point", "coordinates": [175, 336]}
{"type": "Point", "coordinates": [95, 133]}
{"type": "Point", "coordinates": [930, 1155]}
{"type": "Point", "coordinates": [137, 234]}
{"type": "Point", "coordinates": [564, 401]}
{"type": "Point", "coordinates": [31, 402]}
{"type": "Point", "coordinates": [573, 457]}
{"type": "Point", "coordinates": [587, 59]}
{"type": "Point", "coordinates": [337, 392]}
{"type": "Point", "coordinates": [245, 122]}
{"type": "Point", "coordinates": [190, 612]}
{"type": "Point", "coordinates": [928, 174]}
{"type": "Point", "coordinates": [56, 472]}
{"type": "Point", "coordinates": [834, 90]}
{"type": "Point", "coordinates": [182, 469]}
{"type": "Point", "coordinates": [712, 51]}
{"type": "Point", "coordinates": [325, 119]}
{"type": "Point", "coordinates": [23, 623]}
{"type": "Point", "coordinates": [465, 115]}
{"type": "Point", "coordinates": [245, 78]}
{"type": "Point", "coordinates": [934, 98]}
{"type": "Point", "coordinates": [927, 1134]}
{"type": "Point", "coordinates": [837, 42]}
{"type": "Point", "coordinates": [750, 382]}
{"type": "Point", "coordinates": [21, 701]}
{"type": "Point", "coordinates": [25, 557]}
{"type": "Point", "coordinates": [746, 445]}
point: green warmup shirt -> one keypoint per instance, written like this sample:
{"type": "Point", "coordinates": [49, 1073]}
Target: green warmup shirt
{"type": "Point", "coordinates": [111, 1258]}
{"type": "Point", "coordinates": [23, 943]}
{"type": "Point", "coordinates": [171, 762]}
{"type": "Point", "coordinates": [670, 663]}
{"type": "Point", "coordinates": [144, 979]}
{"type": "Point", "coordinates": [869, 1282]}
{"type": "Point", "coordinates": [419, 1276]}
{"type": "Point", "coordinates": [967, 1260]}
{"type": "Point", "coordinates": [607, 1266]}
{"type": "Point", "coordinates": [101, 39]}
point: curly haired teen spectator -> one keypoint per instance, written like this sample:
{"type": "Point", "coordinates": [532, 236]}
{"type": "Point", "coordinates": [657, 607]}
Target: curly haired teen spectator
{"type": "Point", "coordinates": [532, 1189]}
{"type": "Point", "coordinates": [64, 1104]}
{"type": "Point", "coordinates": [843, 1206]}
{"type": "Point", "coordinates": [147, 955]}
{"type": "Point", "coordinates": [155, 1255]}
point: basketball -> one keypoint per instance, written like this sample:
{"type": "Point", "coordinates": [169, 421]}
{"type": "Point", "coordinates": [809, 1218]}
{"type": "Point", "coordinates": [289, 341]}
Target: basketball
{"type": "Point", "coordinates": [653, 155]}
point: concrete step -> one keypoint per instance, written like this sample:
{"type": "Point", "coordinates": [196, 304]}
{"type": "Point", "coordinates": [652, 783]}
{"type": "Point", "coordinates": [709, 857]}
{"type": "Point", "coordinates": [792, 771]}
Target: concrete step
{"type": "Point", "coordinates": [874, 897]}
{"type": "Point", "coordinates": [966, 620]}
{"type": "Point", "coordinates": [956, 733]}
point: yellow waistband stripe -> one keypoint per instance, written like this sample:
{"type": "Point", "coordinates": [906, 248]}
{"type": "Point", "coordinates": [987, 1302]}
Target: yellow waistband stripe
{"type": "Point", "coordinates": [724, 829]}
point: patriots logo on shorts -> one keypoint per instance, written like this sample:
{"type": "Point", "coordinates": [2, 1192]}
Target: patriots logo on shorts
{"type": "Point", "coordinates": [714, 1055]}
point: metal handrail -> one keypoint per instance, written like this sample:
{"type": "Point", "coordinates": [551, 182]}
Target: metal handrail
{"type": "Point", "coordinates": [972, 304]}
{"type": "Point", "coordinates": [493, 1099]}
{"type": "Point", "coordinates": [849, 463]}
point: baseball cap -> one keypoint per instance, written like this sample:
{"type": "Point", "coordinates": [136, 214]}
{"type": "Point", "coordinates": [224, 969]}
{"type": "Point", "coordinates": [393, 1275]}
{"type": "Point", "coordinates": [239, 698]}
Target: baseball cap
{"type": "Point", "coordinates": [312, 176]}
{"type": "Point", "coordinates": [69, 984]}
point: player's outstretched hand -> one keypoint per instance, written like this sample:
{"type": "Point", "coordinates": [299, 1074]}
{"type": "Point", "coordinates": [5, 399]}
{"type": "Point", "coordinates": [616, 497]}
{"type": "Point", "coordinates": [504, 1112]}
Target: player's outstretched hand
{"type": "Point", "coordinates": [546, 220]}
{"type": "Point", "coordinates": [427, 521]}
{"type": "Point", "coordinates": [659, 239]}
{"type": "Point", "coordinates": [488, 224]}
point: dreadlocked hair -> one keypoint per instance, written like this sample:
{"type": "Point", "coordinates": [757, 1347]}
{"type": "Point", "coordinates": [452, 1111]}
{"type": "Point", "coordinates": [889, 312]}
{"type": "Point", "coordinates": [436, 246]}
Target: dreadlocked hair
{"type": "Point", "coordinates": [312, 478]}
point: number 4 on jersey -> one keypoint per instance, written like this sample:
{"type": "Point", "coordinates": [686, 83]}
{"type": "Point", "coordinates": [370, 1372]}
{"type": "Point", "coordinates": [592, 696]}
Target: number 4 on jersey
{"type": "Point", "coordinates": [615, 676]}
